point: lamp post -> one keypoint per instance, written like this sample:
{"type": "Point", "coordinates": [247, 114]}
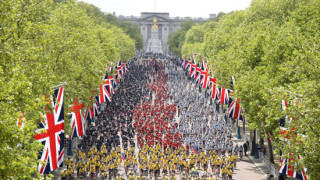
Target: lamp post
{"type": "Point", "coordinates": [238, 129]}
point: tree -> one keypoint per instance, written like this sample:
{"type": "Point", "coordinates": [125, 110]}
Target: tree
{"type": "Point", "coordinates": [42, 45]}
{"type": "Point", "coordinates": [130, 29]}
{"type": "Point", "coordinates": [176, 39]}
{"type": "Point", "coordinates": [271, 49]}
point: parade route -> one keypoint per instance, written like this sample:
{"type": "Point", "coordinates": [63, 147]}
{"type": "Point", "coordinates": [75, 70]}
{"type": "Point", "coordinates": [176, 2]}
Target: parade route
{"type": "Point", "coordinates": [128, 166]}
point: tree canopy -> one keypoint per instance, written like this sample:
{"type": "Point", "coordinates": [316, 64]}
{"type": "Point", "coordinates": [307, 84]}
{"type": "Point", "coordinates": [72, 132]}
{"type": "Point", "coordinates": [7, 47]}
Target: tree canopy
{"type": "Point", "coordinates": [271, 49]}
{"type": "Point", "coordinates": [133, 30]}
{"type": "Point", "coordinates": [43, 44]}
{"type": "Point", "coordinates": [176, 39]}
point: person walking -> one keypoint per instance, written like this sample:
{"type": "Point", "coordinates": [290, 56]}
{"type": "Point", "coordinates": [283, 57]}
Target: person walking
{"type": "Point", "coordinates": [245, 148]}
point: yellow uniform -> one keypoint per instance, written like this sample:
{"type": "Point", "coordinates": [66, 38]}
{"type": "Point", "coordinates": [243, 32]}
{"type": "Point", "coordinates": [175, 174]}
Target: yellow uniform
{"type": "Point", "coordinates": [135, 161]}
{"type": "Point", "coordinates": [101, 152]}
{"type": "Point", "coordinates": [192, 161]}
{"type": "Point", "coordinates": [186, 164]}
{"type": "Point", "coordinates": [110, 166]}
{"type": "Point", "coordinates": [132, 177]}
{"type": "Point", "coordinates": [103, 168]}
{"type": "Point", "coordinates": [118, 149]}
{"type": "Point", "coordinates": [183, 157]}
{"type": "Point", "coordinates": [127, 162]}
{"type": "Point", "coordinates": [64, 174]}
{"type": "Point", "coordinates": [172, 167]}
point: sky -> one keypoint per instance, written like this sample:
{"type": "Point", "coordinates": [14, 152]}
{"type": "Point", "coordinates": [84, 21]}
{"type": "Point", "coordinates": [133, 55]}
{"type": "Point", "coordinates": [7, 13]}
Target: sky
{"type": "Point", "coordinates": [181, 8]}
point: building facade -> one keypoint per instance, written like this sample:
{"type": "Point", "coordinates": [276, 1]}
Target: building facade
{"type": "Point", "coordinates": [166, 25]}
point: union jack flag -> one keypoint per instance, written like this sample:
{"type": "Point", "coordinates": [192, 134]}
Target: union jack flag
{"type": "Point", "coordinates": [119, 70]}
{"type": "Point", "coordinates": [204, 64]}
{"type": "Point", "coordinates": [113, 83]}
{"type": "Point", "coordinates": [52, 135]}
{"type": "Point", "coordinates": [215, 94]}
{"type": "Point", "coordinates": [204, 76]}
{"type": "Point", "coordinates": [224, 96]}
{"type": "Point", "coordinates": [197, 75]}
{"type": "Point", "coordinates": [124, 68]}
{"type": "Point", "coordinates": [108, 84]}
{"type": "Point", "coordinates": [287, 166]}
{"type": "Point", "coordinates": [234, 109]}
{"type": "Point", "coordinates": [242, 116]}
{"type": "Point", "coordinates": [77, 121]}
{"type": "Point", "coordinates": [194, 57]}
{"type": "Point", "coordinates": [104, 95]}
{"type": "Point", "coordinates": [92, 112]}
{"type": "Point", "coordinates": [110, 67]}
{"type": "Point", "coordinates": [193, 68]}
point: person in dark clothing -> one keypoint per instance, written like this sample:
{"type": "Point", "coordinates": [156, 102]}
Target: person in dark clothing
{"type": "Point", "coordinates": [156, 67]}
{"type": "Point", "coordinates": [245, 147]}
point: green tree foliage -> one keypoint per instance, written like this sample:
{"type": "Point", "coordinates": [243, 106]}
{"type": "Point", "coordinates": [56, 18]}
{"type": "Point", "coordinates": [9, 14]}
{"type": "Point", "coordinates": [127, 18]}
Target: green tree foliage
{"type": "Point", "coordinates": [194, 39]}
{"type": "Point", "coordinates": [133, 30]}
{"type": "Point", "coordinates": [176, 39]}
{"type": "Point", "coordinates": [272, 49]}
{"type": "Point", "coordinates": [43, 44]}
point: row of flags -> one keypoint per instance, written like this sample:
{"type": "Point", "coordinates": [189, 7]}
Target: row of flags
{"type": "Point", "coordinates": [287, 165]}
{"type": "Point", "coordinates": [51, 132]}
{"type": "Point", "coordinates": [221, 95]}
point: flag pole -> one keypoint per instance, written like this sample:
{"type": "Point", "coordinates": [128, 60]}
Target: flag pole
{"type": "Point", "coordinates": [59, 85]}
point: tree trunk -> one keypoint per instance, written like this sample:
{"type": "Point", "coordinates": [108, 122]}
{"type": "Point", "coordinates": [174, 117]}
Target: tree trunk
{"type": "Point", "coordinates": [271, 158]}
{"type": "Point", "coordinates": [253, 142]}
{"type": "Point", "coordinates": [262, 145]}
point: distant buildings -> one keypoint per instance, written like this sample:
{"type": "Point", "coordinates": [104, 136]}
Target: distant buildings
{"type": "Point", "coordinates": [166, 25]}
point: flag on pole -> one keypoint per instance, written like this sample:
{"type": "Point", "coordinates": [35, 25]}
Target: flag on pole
{"type": "Point", "coordinates": [119, 70]}
{"type": "Point", "coordinates": [242, 116]}
{"type": "Point", "coordinates": [287, 167]}
{"type": "Point", "coordinates": [224, 96]}
{"type": "Point", "coordinates": [204, 74]}
{"type": "Point", "coordinates": [77, 121]}
{"type": "Point", "coordinates": [197, 75]}
{"type": "Point", "coordinates": [110, 67]}
{"type": "Point", "coordinates": [234, 110]}
{"type": "Point", "coordinates": [215, 93]}
{"type": "Point", "coordinates": [20, 120]}
{"type": "Point", "coordinates": [195, 150]}
{"type": "Point", "coordinates": [52, 135]}
{"type": "Point", "coordinates": [104, 95]}
{"type": "Point", "coordinates": [123, 157]}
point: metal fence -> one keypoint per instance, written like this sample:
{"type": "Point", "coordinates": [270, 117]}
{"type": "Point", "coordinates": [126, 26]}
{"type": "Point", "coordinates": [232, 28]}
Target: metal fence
{"type": "Point", "coordinates": [273, 169]}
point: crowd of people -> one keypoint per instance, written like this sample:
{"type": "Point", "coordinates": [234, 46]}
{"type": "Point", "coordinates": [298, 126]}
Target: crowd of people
{"type": "Point", "coordinates": [158, 125]}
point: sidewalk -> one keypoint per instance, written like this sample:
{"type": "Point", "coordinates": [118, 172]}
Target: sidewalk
{"type": "Point", "coordinates": [249, 167]}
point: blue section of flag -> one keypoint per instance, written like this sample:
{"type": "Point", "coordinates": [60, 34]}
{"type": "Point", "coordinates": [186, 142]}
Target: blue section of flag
{"type": "Point", "coordinates": [195, 150]}
{"type": "Point", "coordinates": [123, 157]}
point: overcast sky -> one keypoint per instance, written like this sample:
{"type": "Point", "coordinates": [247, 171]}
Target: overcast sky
{"type": "Point", "coordinates": [181, 8]}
